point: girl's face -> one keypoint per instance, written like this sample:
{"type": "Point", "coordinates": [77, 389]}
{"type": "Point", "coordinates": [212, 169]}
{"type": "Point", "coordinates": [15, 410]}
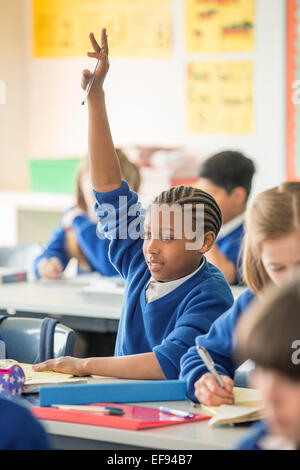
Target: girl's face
{"type": "Point", "coordinates": [281, 257]}
{"type": "Point", "coordinates": [282, 399]}
{"type": "Point", "coordinates": [165, 253]}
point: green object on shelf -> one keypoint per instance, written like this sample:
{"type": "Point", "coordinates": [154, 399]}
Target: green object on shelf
{"type": "Point", "coordinates": [56, 175]}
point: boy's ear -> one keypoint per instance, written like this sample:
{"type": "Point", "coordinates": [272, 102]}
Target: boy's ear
{"type": "Point", "coordinates": [209, 240]}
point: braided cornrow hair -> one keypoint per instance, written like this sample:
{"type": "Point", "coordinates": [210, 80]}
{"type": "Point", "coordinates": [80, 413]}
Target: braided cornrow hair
{"type": "Point", "coordinates": [189, 195]}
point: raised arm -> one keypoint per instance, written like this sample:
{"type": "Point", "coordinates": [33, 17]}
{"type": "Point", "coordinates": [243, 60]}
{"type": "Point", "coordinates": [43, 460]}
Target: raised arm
{"type": "Point", "coordinates": [104, 164]}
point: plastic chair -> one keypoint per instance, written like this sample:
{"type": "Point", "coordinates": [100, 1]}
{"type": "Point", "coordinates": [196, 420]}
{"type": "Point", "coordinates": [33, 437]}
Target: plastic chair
{"type": "Point", "coordinates": [22, 339]}
{"type": "Point", "coordinates": [20, 256]}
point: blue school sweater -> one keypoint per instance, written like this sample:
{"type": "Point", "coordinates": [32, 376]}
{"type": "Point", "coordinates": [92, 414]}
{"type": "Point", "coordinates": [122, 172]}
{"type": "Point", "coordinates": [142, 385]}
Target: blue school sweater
{"type": "Point", "coordinates": [230, 246]}
{"type": "Point", "coordinates": [219, 342]}
{"type": "Point", "coordinates": [19, 430]}
{"type": "Point", "coordinates": [94, 248]}
{"type": "Point", "coordinates": [169, 325]}
{"type": "Point", "coordinates": [251, 441]}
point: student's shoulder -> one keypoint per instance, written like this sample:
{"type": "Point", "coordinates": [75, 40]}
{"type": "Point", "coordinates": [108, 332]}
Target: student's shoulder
{"type": "Point", "coordinates": [211, 276]}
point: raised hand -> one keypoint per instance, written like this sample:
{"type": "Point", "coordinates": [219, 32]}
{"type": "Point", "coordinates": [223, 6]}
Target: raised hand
{"type": "Point", "coordinates": [101, 54]}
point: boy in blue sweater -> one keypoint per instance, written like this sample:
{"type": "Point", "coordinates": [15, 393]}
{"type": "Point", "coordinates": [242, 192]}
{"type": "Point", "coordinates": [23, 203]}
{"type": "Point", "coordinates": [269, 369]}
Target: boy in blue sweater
{"type": "Point", "coordinates": [272, 253]}
{"type": "Point", "coordinates": [172, 293]}
{"type": "Point", "coordinates": [277, 360]}
{"type": "Point", "coordinates": [227, 176]}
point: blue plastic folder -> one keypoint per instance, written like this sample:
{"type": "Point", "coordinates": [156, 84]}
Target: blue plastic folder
{"type": "Point", "coordinates": [120, 392]}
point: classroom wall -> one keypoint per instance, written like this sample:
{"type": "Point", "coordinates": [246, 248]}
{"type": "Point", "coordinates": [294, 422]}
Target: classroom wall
{"type": "Point", "coordinates": [13, 114]}
{"type": "Point", "coordinates": [146, 98]}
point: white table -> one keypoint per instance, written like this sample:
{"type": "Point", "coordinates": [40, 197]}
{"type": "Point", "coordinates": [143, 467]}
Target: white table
{"type": "Point", "coordinates": [65, 299]}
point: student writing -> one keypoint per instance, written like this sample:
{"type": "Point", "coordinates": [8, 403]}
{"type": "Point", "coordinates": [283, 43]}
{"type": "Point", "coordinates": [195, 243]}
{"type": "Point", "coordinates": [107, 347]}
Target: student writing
{"type": "Point", "coordinates": [227, 176]}
{"type": "Point", "coordinates": [75, 236]}
{"type": "Point", "coordinates": [271, 254]}
{"type": "Point", "coordinates": [172, 293]}
{"type": "Point", "coordinates": [277, 359]}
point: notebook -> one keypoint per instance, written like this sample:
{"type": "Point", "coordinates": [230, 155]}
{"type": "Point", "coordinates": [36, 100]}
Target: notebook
{"type": "Point", "coordinates": [248, 406]}
{"type": "Point", "coordinates": [135, 417]}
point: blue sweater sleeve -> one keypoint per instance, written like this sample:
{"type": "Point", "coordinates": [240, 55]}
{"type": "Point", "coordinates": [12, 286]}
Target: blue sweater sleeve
{"type": "Point", "coordinates": [121, 220]}
{"type": "Point", "coordinates": [251, 441]}
{"type": "Point", "coordinates": [19, 430]}
{"type": "Point", "coordinates": [55, 248]}
{"type": "Point", "coordinates": [219, 343]}
{"type": "Point", "coordinates": [94, 248]}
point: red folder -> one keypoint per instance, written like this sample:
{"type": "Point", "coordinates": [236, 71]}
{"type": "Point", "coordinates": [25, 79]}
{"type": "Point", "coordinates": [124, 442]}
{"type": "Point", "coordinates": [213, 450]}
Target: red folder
{"type": "Point", "coordinates": [134, 418]}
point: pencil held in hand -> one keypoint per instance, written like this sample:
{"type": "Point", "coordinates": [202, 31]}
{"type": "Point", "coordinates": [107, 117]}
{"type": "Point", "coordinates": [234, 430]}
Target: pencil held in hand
{"type": "Point", "coordinates": [91, 80]}
{"type": "Point", "coordinates": [101, 54]}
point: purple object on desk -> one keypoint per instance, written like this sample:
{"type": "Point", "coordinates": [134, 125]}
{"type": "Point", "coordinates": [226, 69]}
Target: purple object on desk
{"type": "Point", "coordinates": [12, 379]}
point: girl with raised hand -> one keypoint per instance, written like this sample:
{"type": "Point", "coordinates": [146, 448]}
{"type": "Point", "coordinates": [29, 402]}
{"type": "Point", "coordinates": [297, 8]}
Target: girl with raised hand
{"type": "Point", "coordinates": [172, 293]}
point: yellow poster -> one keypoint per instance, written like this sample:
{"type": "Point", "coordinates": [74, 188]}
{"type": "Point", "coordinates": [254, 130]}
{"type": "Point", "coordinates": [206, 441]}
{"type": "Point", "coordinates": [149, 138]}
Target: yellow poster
{"type": "Point", "coordinates": [217, 26]}
{"type": "Point", "coordinates": [220, 97]}
{"type": "Point", "coordinates": [135, 28]}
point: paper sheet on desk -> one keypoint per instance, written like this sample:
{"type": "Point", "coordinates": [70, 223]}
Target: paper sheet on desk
{"type": "Point", "coordinates": [248, 406]}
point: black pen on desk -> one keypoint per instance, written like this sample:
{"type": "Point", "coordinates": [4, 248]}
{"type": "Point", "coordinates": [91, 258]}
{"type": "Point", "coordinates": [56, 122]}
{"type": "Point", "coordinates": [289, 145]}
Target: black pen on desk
{"type": "Point", "coordinates": [89, 86]}
{"type": "Point", "coordinates": [208, 361]}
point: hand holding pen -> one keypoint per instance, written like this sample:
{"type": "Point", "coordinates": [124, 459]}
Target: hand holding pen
{"type": "Point", "coordinates": [213, 389]}
{"type": "Point", "coordinates": [92, 83]}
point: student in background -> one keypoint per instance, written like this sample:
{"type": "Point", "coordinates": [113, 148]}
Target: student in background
{"type": "Point", "coordinates": [269, 334]}
{"type": "Point", "coordinates": [271, 254]}
{"type": "Point", "coordinates": [227, 176]}
{"type": "Point", "coordinates": [75, 236]}
{"type": "Point", "coordinates": [172, 293]}
{"type": "Point", "coordinates": [19, 430]}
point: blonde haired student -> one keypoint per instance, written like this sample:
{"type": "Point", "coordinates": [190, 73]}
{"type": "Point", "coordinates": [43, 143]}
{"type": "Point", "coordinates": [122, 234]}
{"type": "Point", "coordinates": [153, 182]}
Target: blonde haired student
{"type": "Point", "coordinates": [172, 293]}
{"type": "Point", "coordinates": [269, 334]}
{"type": "Point", "coordinates": [271, 254]}
{"type": "Point", "coordinates": [75, 236]}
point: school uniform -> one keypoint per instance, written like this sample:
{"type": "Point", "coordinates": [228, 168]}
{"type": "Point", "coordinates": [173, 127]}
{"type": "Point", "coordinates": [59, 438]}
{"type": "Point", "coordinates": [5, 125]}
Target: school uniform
{"type": "Point", "coordinates": [220, 343]}
{"type": "Point", "coordinates": [229, 242]}
{"type": "Point", "coordinates": [19, 430]}
{"type": "Point", "coordinates": [260, 439]}
{"type": "Point", "coordinates": [163, 318]}
{"type": "Point", "coordinates": [94, 248]}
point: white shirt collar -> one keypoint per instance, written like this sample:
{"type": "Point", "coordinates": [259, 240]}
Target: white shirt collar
{"type": "Point", "coordinates": [156, 290]}
{"type": "Point", "coordinates": [230, 226]}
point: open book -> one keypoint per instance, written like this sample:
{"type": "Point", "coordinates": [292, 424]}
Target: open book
{"type": "Point", "coordinates": [248, 406]}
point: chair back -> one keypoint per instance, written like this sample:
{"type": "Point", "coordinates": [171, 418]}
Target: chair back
{"type": "Point", "coordinates": [22, 339]}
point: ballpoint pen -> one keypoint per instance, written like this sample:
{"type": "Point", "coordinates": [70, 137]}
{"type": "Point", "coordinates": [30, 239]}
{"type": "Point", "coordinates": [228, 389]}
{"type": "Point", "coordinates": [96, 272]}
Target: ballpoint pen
{"type": "Point", "coordinates": [89, 86]}
{"type": "Point", "coordinates": [91, 409]}
{"type": "Point", "coordinates": [207, 359]}
{"type": "Point", "coordinates": [179, 413]}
